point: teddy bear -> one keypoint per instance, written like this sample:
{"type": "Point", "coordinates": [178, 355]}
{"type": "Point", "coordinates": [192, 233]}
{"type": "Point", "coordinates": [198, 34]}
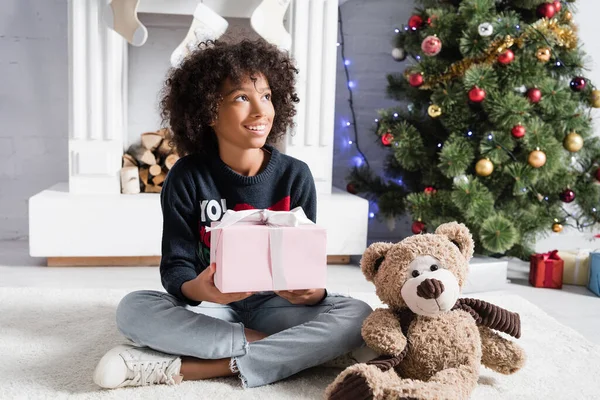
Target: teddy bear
{"type": "Point", "coordinates": [430, 342]}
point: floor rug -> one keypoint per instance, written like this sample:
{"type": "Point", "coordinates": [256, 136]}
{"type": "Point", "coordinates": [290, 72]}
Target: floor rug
{"type": "Point", "coordinates": [52, 339]}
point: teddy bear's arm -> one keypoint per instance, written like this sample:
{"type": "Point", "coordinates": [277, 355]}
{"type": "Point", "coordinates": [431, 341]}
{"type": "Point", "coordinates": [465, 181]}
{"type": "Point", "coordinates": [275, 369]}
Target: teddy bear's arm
{"type": "Point", "coordinates": [500, 354]}
{"type": "Point", "coordinates": [382, 332]}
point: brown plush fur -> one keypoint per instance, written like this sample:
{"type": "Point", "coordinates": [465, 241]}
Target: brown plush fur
{"type": "Point", "coordinates": [441, 354]}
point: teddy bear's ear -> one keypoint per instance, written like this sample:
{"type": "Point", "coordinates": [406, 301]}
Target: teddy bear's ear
{"type": "Point", "coordinates": [459, 235]}
{"type": "Point", "coordinates": [372, 259]}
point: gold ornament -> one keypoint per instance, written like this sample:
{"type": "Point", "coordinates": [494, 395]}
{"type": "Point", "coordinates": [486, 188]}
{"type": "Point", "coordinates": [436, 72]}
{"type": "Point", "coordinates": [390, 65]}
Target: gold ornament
{"type": "Point", "coordinates": [567, 16]}
{"type": "Point", "coordinates": [595, 98]}
{"type": "Point", "coordinates": [484, 167]}
{"type": "Point", "coordinates": [543, 54]}
{"type": "Point", "coordinates": [573, 142]}
{"type": "Point", "coordinates": [434, 111]}
{"type": "Point", "coordinates": [537, 158]}
{"type": "Point", "coordinates": [556, 227]}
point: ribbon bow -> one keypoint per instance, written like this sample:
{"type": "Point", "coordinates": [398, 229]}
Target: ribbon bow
{"type": "Point", "coordinates": [291, 218]}
{"type": "Point", "coordinates": [552, 255]}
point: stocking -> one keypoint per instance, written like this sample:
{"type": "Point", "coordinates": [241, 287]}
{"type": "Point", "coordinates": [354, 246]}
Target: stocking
{"type": "Point", "coordinates": [121, 16]}
{"type": "Point", "coordinates": [207, 25]}
{"type": "Point", "coordinates": [267, 21]}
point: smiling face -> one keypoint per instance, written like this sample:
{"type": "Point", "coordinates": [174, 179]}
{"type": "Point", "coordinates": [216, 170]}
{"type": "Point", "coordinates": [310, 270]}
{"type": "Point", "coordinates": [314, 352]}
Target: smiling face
{"type": "Point", "coordinates": [245, 114]}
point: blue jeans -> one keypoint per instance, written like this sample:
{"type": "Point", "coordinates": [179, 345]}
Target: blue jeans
{"type": "Point", "coordinates": [300, 336]}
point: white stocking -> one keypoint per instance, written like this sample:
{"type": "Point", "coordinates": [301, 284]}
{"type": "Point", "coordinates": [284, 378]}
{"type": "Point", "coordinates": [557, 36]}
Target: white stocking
{"type": "Point", "coordinates": [267, 21]}
{"type": "Point", "coordinates": [207, 25]}
{"type": "Point", "coordinates": [121, 16]}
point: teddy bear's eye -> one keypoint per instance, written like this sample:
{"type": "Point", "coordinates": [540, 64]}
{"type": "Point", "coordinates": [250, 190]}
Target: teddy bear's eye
{"type": "Point", "coordinates": [434, 267]}
{"type": "Point", "coordinates": [415, 273]}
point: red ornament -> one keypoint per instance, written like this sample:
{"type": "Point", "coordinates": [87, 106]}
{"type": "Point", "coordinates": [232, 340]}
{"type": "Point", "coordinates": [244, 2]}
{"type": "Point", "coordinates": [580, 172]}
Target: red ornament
{"type": "Point", "coordinates": [430, 190]}
{"type": "Point", "coordinates": [534, 95]}
{"type": "Point", "coordinates": [578, 83]}
{"type": "Point", "coordinates": [518, 131]}
{"type": "Point", "coordinates": [415, 80]}
{"type": "Point", "coordinates": [351, 189]}
{"type": "Point", "coordinates": [477, 94]}
{"type": "Point", "coordinates": [415, 22]}
{"type": "Point", "coordinates": [567, 196]}
{"type": "Point", "coordinates": [506, 57]}
{"type": "Point", "coordinates": [546, 10]}
{"type": "Point", "coordinates": [418, 227]}
{"type": "Point", "coordinates": [557, 5]}
{"type": "Point", "coordinates": [387, 139]}
{"type": "Point", "coordinates": [431, 46]}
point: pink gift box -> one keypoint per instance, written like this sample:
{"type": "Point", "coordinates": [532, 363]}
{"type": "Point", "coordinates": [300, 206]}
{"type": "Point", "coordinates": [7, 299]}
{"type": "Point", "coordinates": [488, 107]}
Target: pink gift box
{"type": "Point", "coordinates": [252, 257]}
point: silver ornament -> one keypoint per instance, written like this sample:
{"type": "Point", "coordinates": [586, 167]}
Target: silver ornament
{"type": "Point", "coordinates": [460, 180]}
{"type": "Point", "coordinates": [399, 54]}
{"type": "Point", "coordinates": [485, 29]}
{"type": "Point", "coordinates": [521, 89]}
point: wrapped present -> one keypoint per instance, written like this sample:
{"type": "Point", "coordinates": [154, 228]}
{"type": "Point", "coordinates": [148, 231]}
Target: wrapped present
{"type": "Point", "coordinates": [546, 270]}
{"type": "Point", "coordinates": [594, 282]}
{"type": "Point", "coordinates": [264, 250]}
{"type": "Point", "coordinates": [577, 267]}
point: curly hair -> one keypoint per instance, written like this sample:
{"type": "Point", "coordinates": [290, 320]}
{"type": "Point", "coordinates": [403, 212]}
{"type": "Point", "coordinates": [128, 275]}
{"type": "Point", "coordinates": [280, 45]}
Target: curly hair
{"type": "Point", "coordinates": [191, 94]}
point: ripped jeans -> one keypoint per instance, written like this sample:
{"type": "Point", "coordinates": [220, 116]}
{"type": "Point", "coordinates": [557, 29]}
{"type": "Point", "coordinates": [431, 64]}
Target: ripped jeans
{"type": "Point", "coordinates": [300, 336]}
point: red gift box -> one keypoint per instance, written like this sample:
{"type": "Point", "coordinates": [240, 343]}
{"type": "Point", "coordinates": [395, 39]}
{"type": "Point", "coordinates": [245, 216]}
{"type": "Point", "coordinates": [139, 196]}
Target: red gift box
{"type": "Point", "coordinates": [546, 270]}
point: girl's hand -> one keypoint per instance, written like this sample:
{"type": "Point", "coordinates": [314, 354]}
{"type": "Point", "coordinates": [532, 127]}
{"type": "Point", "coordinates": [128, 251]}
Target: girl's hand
{"type": "Point", "coordinates": [307, 297]}
{"type": "Point", "coordinates": [203, 288]}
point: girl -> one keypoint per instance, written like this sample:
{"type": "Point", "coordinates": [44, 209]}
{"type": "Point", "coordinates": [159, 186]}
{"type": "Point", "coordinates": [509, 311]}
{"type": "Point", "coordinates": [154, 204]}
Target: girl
{"type": "Point", "coordinates": [224, 104]}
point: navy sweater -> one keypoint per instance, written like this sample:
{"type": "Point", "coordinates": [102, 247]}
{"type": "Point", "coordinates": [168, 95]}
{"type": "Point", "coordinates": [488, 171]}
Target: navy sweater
{"type": "Point", "coordinates": [199, 189]}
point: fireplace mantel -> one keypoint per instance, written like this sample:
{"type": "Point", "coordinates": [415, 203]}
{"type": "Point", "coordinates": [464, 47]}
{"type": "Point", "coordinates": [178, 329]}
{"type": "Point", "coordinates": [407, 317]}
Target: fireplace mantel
{"type": "Point", "coordinates": [89, 217]}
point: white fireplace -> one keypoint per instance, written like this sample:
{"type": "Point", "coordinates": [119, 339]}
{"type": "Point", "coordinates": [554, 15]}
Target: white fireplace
{"type": "Point", "coordinates": [113, 95]}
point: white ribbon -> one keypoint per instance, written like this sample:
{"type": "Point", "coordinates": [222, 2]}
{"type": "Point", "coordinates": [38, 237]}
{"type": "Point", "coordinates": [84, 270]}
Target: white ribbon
{"type": "Point", "coordinates": [581, 255]}
{"type": "Point", "coordinates": [274, 219]}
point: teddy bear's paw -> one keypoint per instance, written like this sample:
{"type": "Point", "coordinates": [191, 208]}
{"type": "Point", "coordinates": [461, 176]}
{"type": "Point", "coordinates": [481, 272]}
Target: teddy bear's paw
{"type": "Point", "coordinates": [353, 386]}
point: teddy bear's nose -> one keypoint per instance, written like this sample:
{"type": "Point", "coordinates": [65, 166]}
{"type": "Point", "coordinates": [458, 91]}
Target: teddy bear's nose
{"type": "Point", "coordinates": [430, 289]}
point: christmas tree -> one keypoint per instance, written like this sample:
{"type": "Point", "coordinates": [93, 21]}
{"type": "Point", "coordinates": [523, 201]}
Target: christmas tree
{"type": "Point", "coordinates": [494, 127]}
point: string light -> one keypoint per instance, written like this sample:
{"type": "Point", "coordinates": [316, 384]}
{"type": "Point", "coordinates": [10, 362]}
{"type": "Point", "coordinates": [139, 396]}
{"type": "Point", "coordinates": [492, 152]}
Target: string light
{"type": "Point", "coordinates": [360, 160]}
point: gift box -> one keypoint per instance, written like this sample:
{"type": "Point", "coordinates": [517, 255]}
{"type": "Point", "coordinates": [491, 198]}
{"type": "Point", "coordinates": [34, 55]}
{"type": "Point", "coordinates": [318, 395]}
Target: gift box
{"type": "Point", "coordinates": [485, 274]}
{"type": "Point", "coordinates": [264, 250]}
{"type": "Point", "coordinates": [576, 267]}
{"type": "Point", "coordinates": [546, 270]}
{"type": "Point", "coordinates": [594, 281]}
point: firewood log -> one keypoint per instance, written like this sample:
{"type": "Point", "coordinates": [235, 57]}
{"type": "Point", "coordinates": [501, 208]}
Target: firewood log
{"type": "Point", "coordinates": [141, 154]}
{"type": "Point", "coordinates": [151, 140]}
{"type": "Point", "coordinates": [155, 170]}
{"type": "Point", "coordinates": [130, 180]}
{"type": "Point", "coordinates": [170, 160]}
{"type": "Point", "coordinates": [129, 161]}
{"type": "Point", "coordinates": [159, 179]}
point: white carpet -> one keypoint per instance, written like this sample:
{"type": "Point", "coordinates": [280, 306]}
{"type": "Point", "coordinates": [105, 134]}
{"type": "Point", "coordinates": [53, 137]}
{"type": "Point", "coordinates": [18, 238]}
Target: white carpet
{"type": "Point", "coordinates": [51, 340]}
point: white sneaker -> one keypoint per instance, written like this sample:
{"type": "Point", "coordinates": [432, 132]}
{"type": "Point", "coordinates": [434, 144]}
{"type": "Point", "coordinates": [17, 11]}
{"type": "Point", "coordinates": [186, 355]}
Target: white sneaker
{"type": "Point", "coordinates": [128, 365]}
